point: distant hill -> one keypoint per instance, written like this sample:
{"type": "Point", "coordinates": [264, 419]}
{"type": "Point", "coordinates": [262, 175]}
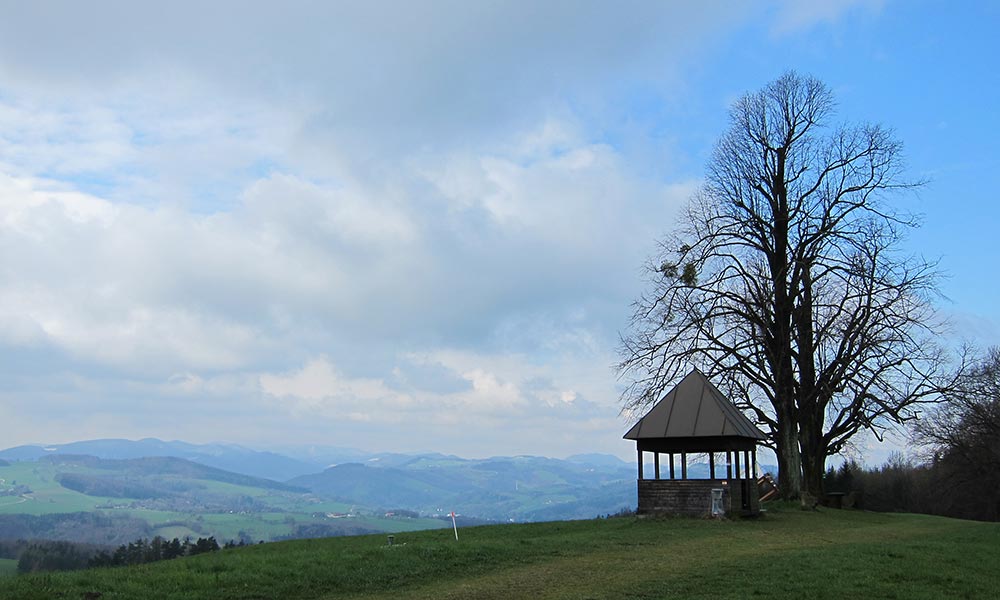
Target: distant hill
{"type": "Point", "coordinates": [166, 465]}
{"type": "Point", "coordinates": [500, 488]}
{"type": "Point", "coordinates": [178, 489]}
{"type": "Point", "coordinates": [608, 461]}
{"type": "Point", "coordinates": [519, 488]}
{"type": "Point", "coordinates": [169, 496]}
{"type": "Point", "coordinates": [110, 501]}
{"type": "Point", "coordinates": [98, 501]}
{"type": "Point", "coordinates": [323, 457]}
{"type": "Point", "coordinates": [237, 459]}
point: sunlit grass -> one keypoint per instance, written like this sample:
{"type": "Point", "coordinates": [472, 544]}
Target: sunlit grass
{"type": "Point", "coordinates": [788, 554]}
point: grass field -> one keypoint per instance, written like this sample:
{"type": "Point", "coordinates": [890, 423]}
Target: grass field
{"type": "Point", "coordinates": [47, 495]}
{"type": "Point", "coordinates": [787, 554]}
{"type": "Point", "coordinates": [8, 566]}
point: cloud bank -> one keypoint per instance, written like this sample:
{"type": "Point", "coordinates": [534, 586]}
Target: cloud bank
{"type": "Point", "coordinates": [389, 225]}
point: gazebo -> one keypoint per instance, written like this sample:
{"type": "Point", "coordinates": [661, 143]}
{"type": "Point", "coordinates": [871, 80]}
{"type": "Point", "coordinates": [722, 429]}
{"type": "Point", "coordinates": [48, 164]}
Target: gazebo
{"type": "Point", "coordinates": [695, 418]}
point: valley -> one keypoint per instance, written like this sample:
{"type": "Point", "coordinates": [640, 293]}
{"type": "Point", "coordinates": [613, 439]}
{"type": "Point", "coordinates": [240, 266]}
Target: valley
{"type": "Point", "coordinates": [106, 492]}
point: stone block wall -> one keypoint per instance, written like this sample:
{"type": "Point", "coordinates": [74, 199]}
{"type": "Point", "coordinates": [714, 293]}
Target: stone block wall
{"type": "Point", "coordinates": [693, 497]}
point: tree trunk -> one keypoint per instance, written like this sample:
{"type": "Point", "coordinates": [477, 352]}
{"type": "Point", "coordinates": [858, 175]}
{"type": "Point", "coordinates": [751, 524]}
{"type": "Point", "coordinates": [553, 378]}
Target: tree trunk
{"type": "Point", "coordinates": [789, 458]}
{"type": "Point", "coordinates": [813, 461]}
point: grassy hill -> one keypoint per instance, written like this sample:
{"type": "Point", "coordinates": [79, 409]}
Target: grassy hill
{"type": "Point", "coordinates": [105, 501]}
{"type": "Point", "coordinates": [37, 480]}
{"type": "Point", "coordinates": [787, 554]}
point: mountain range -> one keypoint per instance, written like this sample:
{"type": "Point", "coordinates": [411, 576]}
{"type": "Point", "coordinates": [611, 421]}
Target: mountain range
{"type": "Point", "coordinates": [152, 473]}
{"type": "Point", "coordinates": [228, 457]}
{"type": "Point", "coordinates": [173, 488]}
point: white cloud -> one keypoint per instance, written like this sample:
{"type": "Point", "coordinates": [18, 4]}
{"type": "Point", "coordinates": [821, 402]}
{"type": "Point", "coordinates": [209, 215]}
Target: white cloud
{"type": "Point", "coordinates": [102, 281]}
{"type": "Point", "coordinates": [295, 214]}
{"type": "Point", "coordinates": [365, 80]}
{"type": "Point", "coordinates": [531, 402]}
{"type": "Point", "coordinates": [54, 140]}
{"type": "Point", "coordinates": [26, 202]}
{"type": "Point", "coordinates": [793, 15]}
{"type": "Point", "coordinates": [317, 388]}
{"type": "Point", "coordinates": [344, 215]}
{"type": "Point", "coordinates": [357, 273]}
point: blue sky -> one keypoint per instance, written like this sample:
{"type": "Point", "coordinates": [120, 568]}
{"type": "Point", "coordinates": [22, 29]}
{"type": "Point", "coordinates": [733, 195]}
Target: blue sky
{"type": "Point", "coordinates": [402, 226]}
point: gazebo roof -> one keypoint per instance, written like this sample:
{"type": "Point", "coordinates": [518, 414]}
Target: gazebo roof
{"type": "Point", "coordinates": [694, 409]}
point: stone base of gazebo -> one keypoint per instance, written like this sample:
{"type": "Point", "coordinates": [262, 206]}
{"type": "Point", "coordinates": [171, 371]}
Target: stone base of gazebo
{"type": "Point", "coordinates": [693, 497]}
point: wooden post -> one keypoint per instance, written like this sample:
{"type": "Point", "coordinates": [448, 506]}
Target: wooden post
{"type": "Point", "coordinates": [656, 464]}
{"type": "Point", "coordinates": [729, 465]}
{"type": "Point", "coordinates": [746, 464]}
{"type": "Point", "coordinates": [711, 464]}
{"type": "Point", "coordinates": [684, 465]}
{"type": "Point", "coordinates": [672, 465]}
{"type": "Point", "coordinates": [753, 455]}
{"type": "Point", "coordinates": [736, 463]}
{"type": "Point", "coordinates": [640, 463]}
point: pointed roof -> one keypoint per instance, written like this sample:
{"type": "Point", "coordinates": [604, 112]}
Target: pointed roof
{"type": "Point", "coordinates": [694, 409]}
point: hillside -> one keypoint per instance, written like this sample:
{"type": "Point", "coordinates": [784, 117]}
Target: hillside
{"type": "Point", "coordinates": [118, 475]}
{"type": "Point", "coordinates": [787, 554]}
{"type": "Point", "coordinates": [107, 501]}
{"type": "Point", "coordinates": [227, 457]}
{"type": "Point", "coordinates": [172, 496]}
{"type": "Point", "coordinates": [520, 488]}
{"type": "Point", "coordinates": [89, 499]}
{"type": "Point", "coordinates": [164, 466]}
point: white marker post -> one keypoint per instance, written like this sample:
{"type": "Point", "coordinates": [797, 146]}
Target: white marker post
{"type": "Point", "coordinates": [454, 524]}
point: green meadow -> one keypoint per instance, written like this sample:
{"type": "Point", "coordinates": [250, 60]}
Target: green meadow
{"type": "Point", "coordinates": [47, 495]}
{"type": "Point", "coordinates": [8, 566]}
{"type": "Point", "coordinates": [788, 553]}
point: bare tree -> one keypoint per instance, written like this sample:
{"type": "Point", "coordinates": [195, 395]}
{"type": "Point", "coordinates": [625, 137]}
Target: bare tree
{"type": "Point", "coordinates": [784, 281]}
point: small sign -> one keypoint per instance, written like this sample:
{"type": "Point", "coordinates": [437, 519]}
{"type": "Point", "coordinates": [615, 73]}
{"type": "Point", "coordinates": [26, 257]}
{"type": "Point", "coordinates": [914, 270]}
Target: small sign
{"type": "Point", "coordinates": [718, 509]}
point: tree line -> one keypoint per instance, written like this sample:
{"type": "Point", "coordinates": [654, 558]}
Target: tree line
{"type": "Point", "coordinates": [957, 471]}
{"type": "Point", "coordinates": [92, 528]}
{"type": "Point", "coordinates": [144, 551]}
{"type": "Point", "coordinates": [902, 485]}
{"type": "Point", "coordinates": [36, 556]}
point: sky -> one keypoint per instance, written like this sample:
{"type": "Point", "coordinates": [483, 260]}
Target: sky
{"type": "Point", "coordinates": [415, 226]}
